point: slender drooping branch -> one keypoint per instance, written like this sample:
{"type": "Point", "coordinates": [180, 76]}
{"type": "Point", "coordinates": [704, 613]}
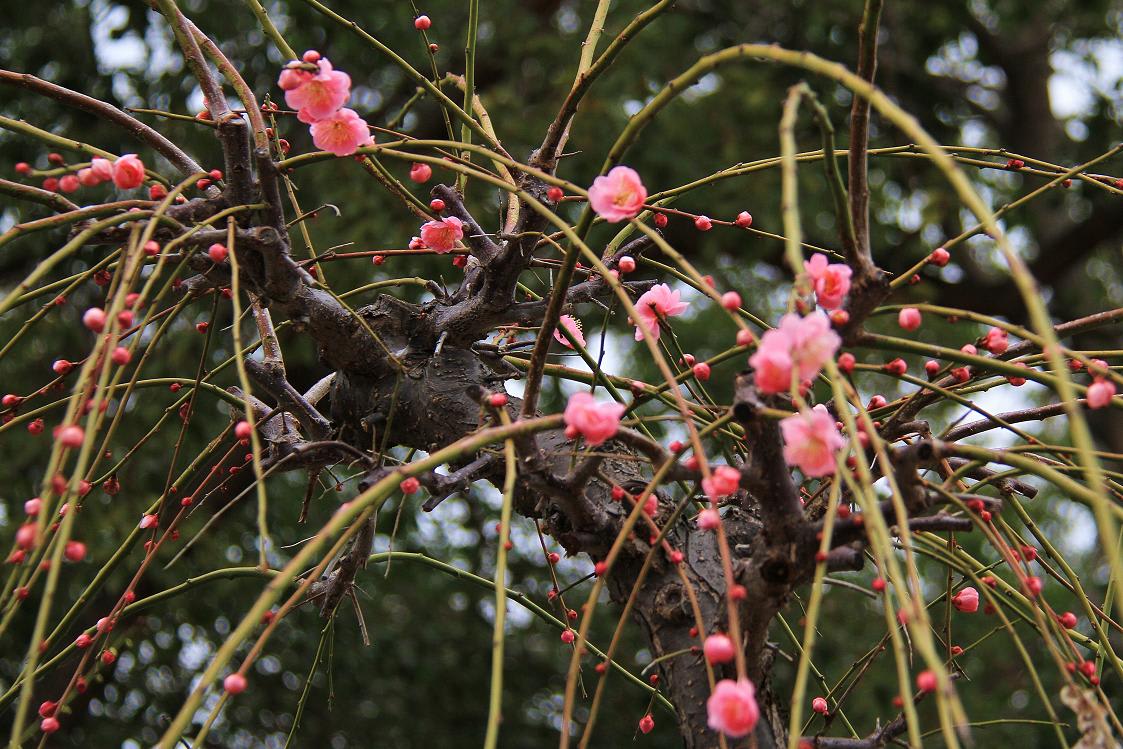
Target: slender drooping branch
{"type": "Point", "coordinates": [180, 160]}
{"type": "Point", "coordinates": [36, 195]}
{"type": "Point", "coordinates": [859, 138]}
{"type": "Point", "coordinates": [213, 97]}
{"type": "Point", "coordinates": [547, 154]}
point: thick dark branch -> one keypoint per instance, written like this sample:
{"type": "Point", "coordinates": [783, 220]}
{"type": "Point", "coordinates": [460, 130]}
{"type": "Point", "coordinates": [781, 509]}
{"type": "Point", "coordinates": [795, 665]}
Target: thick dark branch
{"type": "Point", "coordinates": [1069, 329]}
{"type": "Point", "coordinates": [342, 578]}
{"type": "Point", "coordinates": [213, 98]}
{"type": "Point", "coordinates": [584, 472]}
{"type": "Point", "coordinates": [853, 528]}
{"type": "Point", "coordinates": [1010, 417]}
{"type": "Point", "coordinates": [181, 161]}
{"type": "Point", "coordinates": [292, 456]}
{"type": "Point", "coordinates": [869, 287]}
{"type": "Point", "coordinates": [635, 249]}
{"type": "Point", "coordinates": [765, 473]}
{"type": "Point", "coordinates": [906, 472]}
{"type": "Point", "coordinates": [845, 559]}
{"type": "Point", "coordinates": [533, 313]}
{"type": "Point", "coordinates": [941, 522]}
{"type": "Point", "coordinates": [1006, 485]}
{"type": "Point", "coordinates": [654, 452]}
{"type": "Point", "coordinates": [237, 162]}
{"type": "Point", "coordinates": [289, 398]}
{"type": "Point", "coordinates": [269, 179]}
{"type": "Point", "coordinates": [173, 223]}
{"type": "Point", "coordinates": [875, 740]}
{"type": "Point", "coordinates": [442, 487]}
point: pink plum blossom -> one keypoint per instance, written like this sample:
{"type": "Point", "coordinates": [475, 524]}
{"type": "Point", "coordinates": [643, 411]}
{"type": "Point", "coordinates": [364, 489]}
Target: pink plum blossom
{"type": "Point", "coordinates": [573, 325]}
{"type": "Point", "coordinates": [831, 281]}
{"type": "Point", "coordinates": [441, 235]}
{"type": "Point", "coordinates": [618, 195]}
{"type": "Point", "coordinates": [596, 422]}
{"type": "Point", "coordinates": [722, 482]}
{"type": "Point", "coordinates": [128, 172]}
{"type": "Point", "coordinates": [341, 133]}
{"type": "Point", "coordinates": [732, 708]}
{"type": "Point", "coordinates": [318, 95]}
{"type": "Point", "coordinates": [813, 342]}
{"type": "Point", "coordinates": [966, 600]}
{"type": "Point", "coordinates": [101, 168]}
{"type": "Point", "coordinates": [804, 344]}
{"type": "Point", "coordinates": [811, 440]}
{"type": "Point", "coordinates": [292, 78]}
{"type": "Point", "coordinates": [657, 303]}
{"type": "Point", "coordinates": [772, 363]}
{"type": "Point", "coordinates": [1100, 393]}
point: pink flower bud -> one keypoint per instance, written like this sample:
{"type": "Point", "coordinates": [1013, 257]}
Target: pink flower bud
{"type": "Point", "coordinates": [94, 319]}
{"type": "Point", "coordinates": [909, 318]}
{"type": "Point", "coordinates": [966, 600]}
{"type": "Point", "coordinates": [718, 648]}
{"type": "Point", "coordinates": [926, 681]}
{"type": "Point", "coordinates": [235, 683]}
{"type": "Point", "coordinates": [72, 436]}
{"type": "Point", "coordinates": [128, 172]}
{"type": "Point", "coordinates": [732, 708]}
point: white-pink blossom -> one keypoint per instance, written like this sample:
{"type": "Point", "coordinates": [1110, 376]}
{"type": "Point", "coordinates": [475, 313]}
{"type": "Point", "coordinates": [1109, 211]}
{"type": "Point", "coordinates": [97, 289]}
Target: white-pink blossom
{"type": "Point", "coordinates": [655, 305]}
{"type": "Point", "coordinates": [831, 281]}
{"type": "Point", "coordinates": [342, 132]}
{"type": "Point", "coordinates": [441, 235]}
{"type": "Point", "coordinates": [618, 195]}
{"type": "Point", "coordinates": [596, 422]}
{"type": "Point", "coordinates": [811, 441]}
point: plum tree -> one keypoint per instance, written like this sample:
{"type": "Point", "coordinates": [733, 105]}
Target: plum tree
{"type": "Point", "coordinates": [705, 495]}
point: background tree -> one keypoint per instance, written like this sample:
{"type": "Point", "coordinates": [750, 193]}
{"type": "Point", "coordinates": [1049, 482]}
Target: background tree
{"type": "Point", "coordinates": [1029, 97]}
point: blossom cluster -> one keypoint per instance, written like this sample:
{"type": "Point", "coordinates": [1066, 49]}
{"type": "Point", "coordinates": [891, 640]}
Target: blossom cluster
{"type": "Point", "coordinates": [799, 346]}
{"type": "Point", "coordinates": [127, 172]}
{"type": "Point", "coordinates": [318, 96]}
